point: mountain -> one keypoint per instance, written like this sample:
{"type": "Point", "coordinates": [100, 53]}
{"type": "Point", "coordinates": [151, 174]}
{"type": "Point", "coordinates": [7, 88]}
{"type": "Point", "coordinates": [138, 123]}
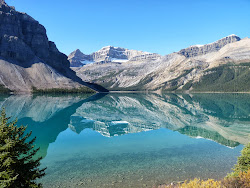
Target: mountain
{"type": "Point", "coordinates": [197, 50]}
{"type": "Point", "coordinates": [77, 58]}
{"type": "Point", "coordinates": [221, 66]}
{"type": "Point", "coordinates": [109, 54]}
{"type": "Point", "coordinates": [28, 59]}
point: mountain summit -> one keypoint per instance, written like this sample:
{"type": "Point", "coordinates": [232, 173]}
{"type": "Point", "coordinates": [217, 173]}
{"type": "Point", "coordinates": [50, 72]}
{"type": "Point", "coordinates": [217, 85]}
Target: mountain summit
{"type": "Point", "coordinates": [222, 66]}
{"type": "Point", "coordinates": [197, 50]}
{"type": "Point", "coordinates": [2, 2]}
{"type": "Point", "coordinates": [108, 54]}
{"type": "Point", "coordinates": [28, 59]}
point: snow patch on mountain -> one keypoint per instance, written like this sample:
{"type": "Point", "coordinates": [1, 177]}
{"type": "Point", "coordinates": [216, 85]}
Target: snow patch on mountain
{"type": "Point", "coordinates": [108, 54]}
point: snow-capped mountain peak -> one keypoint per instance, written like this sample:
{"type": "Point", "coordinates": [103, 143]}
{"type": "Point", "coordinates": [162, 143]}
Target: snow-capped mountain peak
{"type": "Point", "coordinates": [108, 54]}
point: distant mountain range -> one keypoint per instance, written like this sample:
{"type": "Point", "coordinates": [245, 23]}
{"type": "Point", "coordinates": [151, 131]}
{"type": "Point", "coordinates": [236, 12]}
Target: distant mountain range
{"type": "Point", "coordinates": [109, 54]}
{"type": "Point", "coordinates": [221, 66]}
{"type": "Point", "coordinates": [28, 59]}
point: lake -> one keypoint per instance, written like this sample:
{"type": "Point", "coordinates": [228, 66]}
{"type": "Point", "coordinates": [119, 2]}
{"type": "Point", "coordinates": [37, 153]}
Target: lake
{"type": "Point", "coordinates": [133, 140]}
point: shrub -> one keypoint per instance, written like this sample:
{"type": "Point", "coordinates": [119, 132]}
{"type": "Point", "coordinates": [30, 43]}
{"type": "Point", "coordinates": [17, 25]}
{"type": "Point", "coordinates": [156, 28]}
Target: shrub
{"type": "Point", "coordinates": [198, 183]}
{"type": "Point", "coordinates": [242, 180]}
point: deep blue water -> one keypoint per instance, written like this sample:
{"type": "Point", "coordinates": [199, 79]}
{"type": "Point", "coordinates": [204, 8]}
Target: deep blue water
{"type": "Point", "coordinates": [134, 140]}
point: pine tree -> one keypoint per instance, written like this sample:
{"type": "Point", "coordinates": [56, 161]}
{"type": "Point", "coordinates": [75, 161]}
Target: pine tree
{"type": "Point", "coordinates": [243, 163]}
{"type": "Point", "coordinates": [18, 168]}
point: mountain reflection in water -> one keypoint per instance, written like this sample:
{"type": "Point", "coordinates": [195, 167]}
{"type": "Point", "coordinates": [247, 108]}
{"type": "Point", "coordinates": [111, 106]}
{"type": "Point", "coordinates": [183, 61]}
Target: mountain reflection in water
{"type": "Point", "coordinates": [129, 140]}
{"type": "Point", "coordinates": [223, 118]}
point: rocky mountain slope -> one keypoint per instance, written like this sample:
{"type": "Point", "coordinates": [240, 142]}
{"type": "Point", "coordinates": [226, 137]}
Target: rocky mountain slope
{"type": "Point", "coordinates": [223, 65]}
{"type": "Point", "coordinates": [197, 50]}
{"type": "Point", "coordinates": [28, 59]}
{"type": "Point", "coordinates": [109, 54]}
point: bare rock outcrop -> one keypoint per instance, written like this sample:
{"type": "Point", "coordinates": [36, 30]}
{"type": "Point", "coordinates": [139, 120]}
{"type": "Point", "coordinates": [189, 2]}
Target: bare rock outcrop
{"type": "Point", "coordinates": [109, 54]}
{"type": "Point", "coordinates": [221, 66]}
{"type": "Point", "coordinates": [78, 59]}
{"type": "Point", "coordinates": [197, 50]}
{"type": "Point", "coordinates": [28, 59]}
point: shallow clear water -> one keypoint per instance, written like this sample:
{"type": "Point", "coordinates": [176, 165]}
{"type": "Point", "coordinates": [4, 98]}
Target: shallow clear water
{"type": "Point", "coordinates": [134, 140]}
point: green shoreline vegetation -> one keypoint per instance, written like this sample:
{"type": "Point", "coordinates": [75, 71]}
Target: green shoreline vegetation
{"type": "Point", "coordinates": [226, 78]}
{"type": "Point", "coordinates": [83, 89]}
{"type": "Point", "coordinates": [4, 90]}
{"type": "Point", "coordinates": [62, 90]}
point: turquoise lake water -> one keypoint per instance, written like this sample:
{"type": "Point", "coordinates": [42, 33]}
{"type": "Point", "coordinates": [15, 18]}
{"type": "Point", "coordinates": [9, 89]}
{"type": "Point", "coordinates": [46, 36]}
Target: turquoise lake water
{"type": "Point", "coordinates": [133, 140]}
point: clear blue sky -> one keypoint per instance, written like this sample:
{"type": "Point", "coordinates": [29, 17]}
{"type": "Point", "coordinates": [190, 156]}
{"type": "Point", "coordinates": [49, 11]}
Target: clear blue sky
{"type": "Point", "coordinates": [160, 26]}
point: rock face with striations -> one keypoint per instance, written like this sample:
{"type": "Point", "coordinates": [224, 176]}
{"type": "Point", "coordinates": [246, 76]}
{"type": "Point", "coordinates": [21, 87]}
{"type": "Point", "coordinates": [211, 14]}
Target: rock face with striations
{"type": "Point", "coordinates": [109, 54]}
{"type": "Point", "coordinates": [222, 66]}
{"type": "Point", "coordinates": [197, 50]}
{"type": "Point", "coordinates": [28, 59]}
{"type": "Point", "coordinates": [78, 59]}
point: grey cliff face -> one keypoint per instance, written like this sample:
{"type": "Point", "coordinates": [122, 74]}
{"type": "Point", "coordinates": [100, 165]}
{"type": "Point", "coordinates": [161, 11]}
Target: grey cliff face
{"type": "Point", "coordinates": [23, 39]}
{"type": "Point", "coordinates": [77, 58]}
{"type": "Point", "coordinates": [28, 59]}
{"type": "Point", "coordinates": [149, 56]}
{"type": "Point", "coordinates": [197, 50]}
{"type": "Point", "coordinates": [109, 54]}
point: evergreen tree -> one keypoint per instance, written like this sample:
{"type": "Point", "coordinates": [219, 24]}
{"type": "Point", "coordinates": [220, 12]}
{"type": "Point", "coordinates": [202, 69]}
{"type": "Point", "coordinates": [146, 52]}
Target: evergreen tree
{"type": "Point", "coordinates": [18, 168]}
{"type": "Point", "coordinates": [243, 163]}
